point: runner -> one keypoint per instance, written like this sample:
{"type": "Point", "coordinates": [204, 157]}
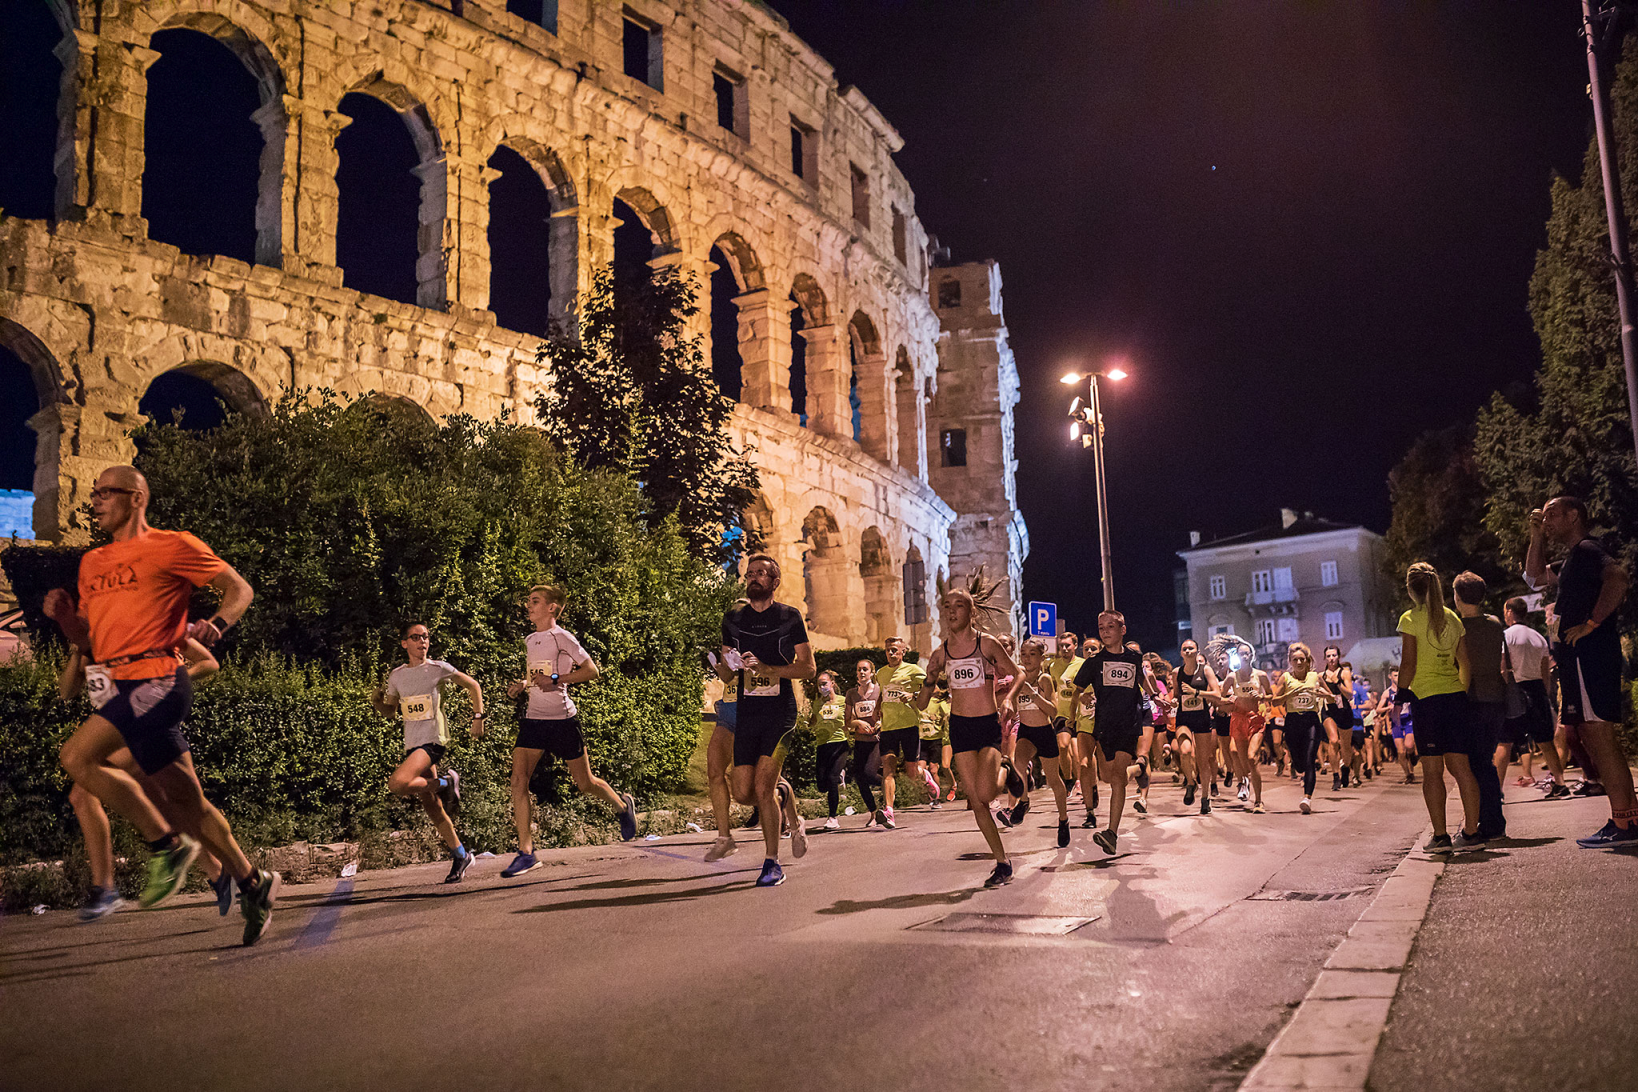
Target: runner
{"type": "Point", "coordinates": [1243, 694]}
{"type": "Point", "coordinates": [827, 720]}
{"type": "Point", "coordinates": [103, 898]}
{"type": "Point", "coordinates": [554, 661]}
{"type": "Point", "coordinates": [1191, 682]}
{"type": "Point", "coordinates": [1530, 714]}
{"type": "Point", "coordinates": [1063, 666]}
{"type": "Point", "coordinates": [1299, 688]}
{"type": "Point", "coordinates": [1117, 680]}
{"type": "Point", "coordinates": [1085, 703]}
{"type": "Point", "coordinates": [971, 660]}
{"type": "Point", "coordinates": [1037, 735]}
{"type": "Point", "coordinates": [1433, 665]}
{"type": "Point", "coordinates": [900, 681]}
{"type": "Point", "coordinates": [1364, 738]}
{"type": "Point", "coordinates": [132, 617]}
{"type": "Point", "coordinates": [1397, 707]}
{"type": "Point", "coordinates": [1591, 587]}
{"type": "Point", "coordinates": [767, 642]}
{"type": "Point", "coordinates": [934, 725]}
{"type": "Point", "coordinates": [719, 757]}
{"type": "Point", "coordinates": [414, 690]}
{"type": "Point", "coordinates": [1338, 714]}
{"type": "Point", "coordinates": [864, 724]}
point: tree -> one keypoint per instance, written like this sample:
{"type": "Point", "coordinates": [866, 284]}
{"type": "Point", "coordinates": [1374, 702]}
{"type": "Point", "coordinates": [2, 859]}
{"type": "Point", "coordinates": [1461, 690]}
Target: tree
{"type": "Point", "coordinates": [1438, 501]}
{"type": "Point", "coordinates": [631, 393]}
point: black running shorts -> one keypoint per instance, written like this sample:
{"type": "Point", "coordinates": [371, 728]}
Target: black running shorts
{"type": "Point", "coordinates": [1220, 724]}
{"type": "Point", "coordinates": [1535, 724]}
{"type": "Point", "coordinates": [974, 733]}
{"type": "Point", "coordinates": [559, 737]}
{"type": "Point", "coordinates": [758, 735]}
{"type": "Point", "coordinates": [903, 741]}
{"type": "Point", "coordinates": [435, 751]}
{"type": "Point", "coordinates": [1358, 737]}
{"type": "Point", "coordinates": [1441, 725]}
{"type": "Point", "coordinates": [1044, 737]}
{"type": "Point", "coordinates": [149, 715]}
{"type": "Point", "coordinates": [1589, 673]}
{"type": "Point", "coordinates": [1115, 738]}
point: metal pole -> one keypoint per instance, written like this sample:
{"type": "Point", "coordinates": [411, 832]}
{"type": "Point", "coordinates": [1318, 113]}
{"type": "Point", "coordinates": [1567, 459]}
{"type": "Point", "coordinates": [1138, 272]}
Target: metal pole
{"type": "Point", "coordinates": [1612, 206]}
{"type": "Point", "coordinates": [1103, 499]}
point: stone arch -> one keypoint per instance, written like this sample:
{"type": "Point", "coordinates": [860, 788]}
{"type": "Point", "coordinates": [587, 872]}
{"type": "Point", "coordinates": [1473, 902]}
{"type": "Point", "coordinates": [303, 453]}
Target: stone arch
{"type": "Point", "coordinates": [654, 216]}
{"type": "Point", "coordinates": [395, 406]}
{"type": "Point", "coordinates": [824, 572]}
{"type": "Point", "coordinates": [355, 236]}
{"type": "Point", "coordinates": [742, 261]}
{"type": "Point", "coordinates": [807, 294]}
{"type": "Point", "coordinates": [236, 389]}
{"type": "Point", "coordinates": [561, 252]}
{"type": "Point", "coordinates": [867, 387]}
{"type": "Point", "coordinates": [912, 416]}
{"type": "Point", "coordinates": [880, 586]}
{"type": "Point", "coordinates": [759, 523]}
{"type": "Point", "coordinates": [43, 416]}
{"type": "Point", "coordinates": [246, 35]}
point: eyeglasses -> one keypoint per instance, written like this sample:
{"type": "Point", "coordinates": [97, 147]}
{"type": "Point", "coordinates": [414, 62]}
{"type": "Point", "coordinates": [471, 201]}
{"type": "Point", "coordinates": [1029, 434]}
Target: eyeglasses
{"type": "Point", "coordinates": [419, 637]}
{"type": "Point", "coordinates": [103, 491]}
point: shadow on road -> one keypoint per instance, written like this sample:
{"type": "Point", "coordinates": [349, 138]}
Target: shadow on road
{"type": "Point", "coordinates": [657, 898]}
{"type": "Point", "coordinates": [900, 902]}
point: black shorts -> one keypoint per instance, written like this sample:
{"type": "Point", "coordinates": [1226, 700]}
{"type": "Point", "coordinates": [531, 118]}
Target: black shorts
{"type": "Point", "coordinates": [974, 733]}
{"type": "Point", "coordinates": [435, 751]}
{"type": "Point", "coordinates": [1197, 721]}
{"type": "Point", "coordinates": [1441, 725]}
{"type": "Point", "coordinates": [149, 715]}
{"type": "Point", "coordinates": [1220, 725]}
{"type": "Point", "coordinates": [1343, 716]}
{"type": "Point", "coordinates": [1589, 674]}
{"type": "Point", "coordinates": [1358, 738]}
{"type": "Point", "coordinates": [758, 735]}
{"type": "Point", "coordinates": [1535, 724]}
{"type": "Point", "coordinates": [559, 737]}
{"type": "Point", "coordinates": [1114, 738]}
{"type": "Point", "coordinates": [903, 741]}
{"type": "Point", "coordinates": [1043, 737]}
{"type": "Point", "coordinates": [1062, 726]}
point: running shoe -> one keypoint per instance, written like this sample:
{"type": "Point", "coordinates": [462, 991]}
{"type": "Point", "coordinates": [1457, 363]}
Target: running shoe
{"type": "Point", "coordinates": [1439, 843]}
{"type": "Point", "coordinates": [1344, 776]}
{"type": "Point", "coordinates": [458, 866]}
{"type": "Point", "coordinates": [1587, 788]}
{"type": "Point", "coordinates": [1464, 842]}
{"type": "Point", "coordinates": [1002, 875]}
{"type": "Point", "coordinates": [1105, 840]}
{"type": "Point", "coordinates": [883, 819]}
{"type": "Point", "coordinates": [1090, 822]}
{"type": "Point", "coordinates": [887, 819]}
{"type": "Point", "coordinates": [1205, 804]}
{"type": "Point", "coordinates": [1228, 779]}
{"type": "Point", "coordinates": [935, 805]}
{"type": "Point", "coordinates": [1142, 777]}
{"type": "Point", "coordinates": [1188, 795]}
{"type": "Point", "coordinates": [1368, 773]}
{"type": "Point", "coordinates": [1258, 809]}
{"type": "Point", "coordinates": [223, 886]}
{"type": "Point", "coordinates": [528, 862]}
{"type": "Point", "coordinates": [449, 792]}
{"type": "Point", "coordinates": [256, 904]}
{"type": "Point", "coordinates": [871, 823]}
{"type": "Point", "coordinates": [772, 874]}
{"type": "Point", "coordinates": [932, 786]}
{"type": "Point", "coordinates": [799, 838]}
{"type": "Point", "coordinates": [168, 871]}
{"type": "Point", "coordinates": [1558, 792]}
{"type": "Point", "coordinates": [1015, 783]}
{"type": "Point", "coordinates": [1245, 790]}
{"type": "Point", "coordinates": [950, 797]}
{"type": "Point", "coordinates": [101, 902]}
{"type": "Point", "coordinates": [1214, 786]}
{"type": "Point", "coordinates": [1003, 818]}
{"type": "Point", "coordinates": [833, 823]}
{"type": "Point", "coordinates": [1610, 835]}
{"type": "Point", "coordinates": [753, 822]}
{"type": "Point", "coordinates": [1019, 810]}
{"type": "Point", "coordinates": [628, 818]}
{"type": "Point", "coordinates": [1307, 806]}
{"type": "Point", "coordinates": [1094, 796]}
{"type": "Point", "coordinates": [1140, 807]}
{"type": "Point", "coordinates": [1063, 833]}
{"type": "Point", "coordinates": [1336, 782]}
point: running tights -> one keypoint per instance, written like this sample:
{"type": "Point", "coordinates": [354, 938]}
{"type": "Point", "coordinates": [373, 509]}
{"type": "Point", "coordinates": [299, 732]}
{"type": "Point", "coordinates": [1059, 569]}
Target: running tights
{"type": "Point", "coordinates": [1303, 741]}
{"type": "Point", "coordinates": [867, 770]}
{"type": "Point", "coordinates": [831, 760]}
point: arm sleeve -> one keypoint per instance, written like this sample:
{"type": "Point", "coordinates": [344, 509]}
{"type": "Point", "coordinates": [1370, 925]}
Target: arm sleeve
{"type": "Point", "coordinates": [799, 631]}
{"type": "Point", "coordinates": [576, 651]}
{"type": "Point", "coordinates": [1084, 676]}
{"type": "Point", "coordinates": [194, 561]}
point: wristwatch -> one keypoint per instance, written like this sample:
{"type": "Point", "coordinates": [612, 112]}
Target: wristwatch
{"type": "Point", "coordinates": [554, 678]}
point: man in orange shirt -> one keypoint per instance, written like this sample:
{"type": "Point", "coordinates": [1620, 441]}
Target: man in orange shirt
{"type": "Point", "coordinates": [132, 619]}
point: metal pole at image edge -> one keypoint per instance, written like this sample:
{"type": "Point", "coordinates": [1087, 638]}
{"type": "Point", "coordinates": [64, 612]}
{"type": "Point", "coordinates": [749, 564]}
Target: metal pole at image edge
{"type": "Point", "coordinates": [1103, 499]}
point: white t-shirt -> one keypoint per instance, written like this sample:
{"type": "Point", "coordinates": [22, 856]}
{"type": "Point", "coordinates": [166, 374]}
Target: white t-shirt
{"type": "Point", "coordinates": [415, 691]}
{"type": "Point", "coordinates": [1528, 651]}
{"type": "Point", "coordinates": [550, 651]}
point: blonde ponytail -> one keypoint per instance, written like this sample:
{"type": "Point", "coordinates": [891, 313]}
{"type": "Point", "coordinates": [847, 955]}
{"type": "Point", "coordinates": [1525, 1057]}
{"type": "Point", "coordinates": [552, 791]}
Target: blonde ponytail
{"type": "Point", "coordinates": [1426, 590]}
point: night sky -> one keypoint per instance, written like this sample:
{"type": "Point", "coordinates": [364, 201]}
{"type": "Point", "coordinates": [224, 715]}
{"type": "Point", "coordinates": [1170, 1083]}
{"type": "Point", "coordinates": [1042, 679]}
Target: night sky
{"type": "Point", "coordinates": [1310, 226]}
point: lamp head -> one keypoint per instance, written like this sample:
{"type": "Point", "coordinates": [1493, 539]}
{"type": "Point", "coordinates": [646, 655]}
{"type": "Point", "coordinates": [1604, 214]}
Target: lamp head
{"type": "Point", "coordinates": [1117, 374]}
{"type": "Point", "coordinates": [1071, 377]}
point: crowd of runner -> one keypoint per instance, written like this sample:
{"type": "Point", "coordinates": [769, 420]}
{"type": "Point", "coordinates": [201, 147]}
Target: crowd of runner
{"type": "Point", "coordinates": [983, 723]}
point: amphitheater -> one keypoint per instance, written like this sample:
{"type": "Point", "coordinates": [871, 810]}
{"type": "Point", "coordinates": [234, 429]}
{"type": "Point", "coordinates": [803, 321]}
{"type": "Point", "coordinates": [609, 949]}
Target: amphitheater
{"type": "Point", "coordinates": [875, 383]}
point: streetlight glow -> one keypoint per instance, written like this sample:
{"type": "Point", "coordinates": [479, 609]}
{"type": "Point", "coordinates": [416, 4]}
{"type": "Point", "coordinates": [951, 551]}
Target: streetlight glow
{"type": "Point", "coordinates": [1071, 377]}
{"type": "Point", "coordinates": [1075, 431]}
{"type": "Point", "coordinates": [1116, 374]}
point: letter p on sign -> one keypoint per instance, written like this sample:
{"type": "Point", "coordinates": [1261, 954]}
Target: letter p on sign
{"type": "Point", "coordinates": [1043, 619]}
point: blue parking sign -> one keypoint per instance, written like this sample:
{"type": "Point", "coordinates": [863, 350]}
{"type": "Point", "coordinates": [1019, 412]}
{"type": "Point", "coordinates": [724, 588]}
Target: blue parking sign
{"type": "Point", "coordinates": [1043, 619]}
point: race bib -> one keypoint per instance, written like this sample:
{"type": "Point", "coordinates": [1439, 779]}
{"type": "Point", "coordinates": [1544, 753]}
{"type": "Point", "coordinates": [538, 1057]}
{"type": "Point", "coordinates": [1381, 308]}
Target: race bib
{"type": "Point", "coordinates": [418, 707]}
{"type": "Point", "coordinates": [1066, 691]}
{"type": "Point", "coordinates": [896, 695]}
{"type": "Point", "coordinates": [1116, 673]}
{"type": "Point", "coordinates": [1193, 702]}
{"type": "Point", "coordinates": [1301, 701]}
{"type": "Point", "coordinates": [1025, 699]}
{"type": "Point", "coordinates": [99, 685]}
{"type": "Point", "coordinates": [1089, 702]}
{"type": "Point", "coordinates": [760, 686]}
{"type": "Point", "coordinates": [539, 667]}
{"type": "Point", "coordinates": [864, 708]}
{"type": "Point", "coordinates": [966, 674]}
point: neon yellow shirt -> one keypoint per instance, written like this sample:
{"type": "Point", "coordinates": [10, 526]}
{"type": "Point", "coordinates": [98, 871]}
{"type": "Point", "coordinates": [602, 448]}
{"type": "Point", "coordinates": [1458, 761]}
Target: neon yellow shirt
{"type": "Point", "coordinates": [935, 720]}
{"type": "Point", "coordinates": [1436, 669]}
{"type": "Point", "coordinates": [827, 720]}
{"type": "Point", "coordinates": [1063, 675]}
{"type": "Point", "coordinates": [899, 686]}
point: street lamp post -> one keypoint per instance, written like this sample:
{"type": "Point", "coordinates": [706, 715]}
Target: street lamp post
{"type": "Point", "coordinates": [1088, 428]}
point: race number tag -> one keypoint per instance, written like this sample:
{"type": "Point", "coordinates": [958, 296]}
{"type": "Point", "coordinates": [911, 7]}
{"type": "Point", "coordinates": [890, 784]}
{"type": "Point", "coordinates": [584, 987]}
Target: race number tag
{"type": "Point", "coordinates": [99, 685]}
{"type": "Point", "coordinates": [760, 686]}
{"type": "Point", "coordinates": [896, 695]}
{"type": "Point", "coordinates": [1089, 702]}
{"type": "Point", "coordinates": [864, 708]}
{"type": "Point", "coordinates": [1192, 701]}
{"type": "Point", "coordinates": [418, 707]}
{"type": "Point", "coordinates": [539, 667]}
{"type": "Point", "coordinates": [966, 674]}
{"type": "Point", "coordinates": [1116, 673]}
{"type": "Point", "coordinates": [1302, 701]}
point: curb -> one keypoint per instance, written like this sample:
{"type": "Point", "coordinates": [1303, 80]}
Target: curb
{"type": "Point", "coordinates": [1332, 1037]}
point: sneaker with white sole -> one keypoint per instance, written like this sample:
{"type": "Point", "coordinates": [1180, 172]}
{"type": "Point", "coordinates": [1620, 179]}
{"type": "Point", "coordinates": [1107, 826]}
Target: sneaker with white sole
{"type": "Point", "coordinates": [523, 862]}
{"type": "Point", "coordinates": [832, 824]}
{"type": "Point", "coordinates": [799, 838]}
{"type": "Point", "coordinates": [1307, 806]}
{"type": "Point", "coordinates": [722, 847]}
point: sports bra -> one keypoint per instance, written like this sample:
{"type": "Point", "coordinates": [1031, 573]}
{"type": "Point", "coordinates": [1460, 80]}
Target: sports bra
{"type": "Point", "coordinates": [967, 672]}
{"type": "Point", "coordinates": [1333, 688]}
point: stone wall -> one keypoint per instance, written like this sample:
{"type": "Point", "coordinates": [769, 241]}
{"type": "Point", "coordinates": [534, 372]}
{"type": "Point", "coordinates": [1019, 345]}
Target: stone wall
{"type": "Point", "coordinates": [98, 309]}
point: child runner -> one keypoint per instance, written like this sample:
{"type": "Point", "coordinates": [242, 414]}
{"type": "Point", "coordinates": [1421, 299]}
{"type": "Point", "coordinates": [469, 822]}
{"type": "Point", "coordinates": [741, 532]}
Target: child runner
{"type": "Point", "coordinates": [827, 720]}
{"type": "Point", "coordinates": [1116, 676]}
{"type": "Point", "coordinates": [934, 725]}
{"type": "Point", "coordinates": [1037, 705]}
{"type": "Point", "coordinates": [900, 681]}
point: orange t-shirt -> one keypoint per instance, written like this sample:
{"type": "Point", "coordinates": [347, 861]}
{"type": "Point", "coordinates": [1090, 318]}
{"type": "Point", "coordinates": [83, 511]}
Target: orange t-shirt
{"type": "Point", "coordinates": [134, 595]}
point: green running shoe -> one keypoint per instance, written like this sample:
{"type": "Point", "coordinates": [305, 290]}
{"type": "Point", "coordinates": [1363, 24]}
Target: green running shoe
{"type": "Point", "coordinates": [256, 904]}
{"type": "Point", "coordinates": [168, 871]}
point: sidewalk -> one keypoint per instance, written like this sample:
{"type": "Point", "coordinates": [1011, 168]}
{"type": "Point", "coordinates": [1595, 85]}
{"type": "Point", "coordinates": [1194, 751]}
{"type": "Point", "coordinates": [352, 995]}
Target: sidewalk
{"type": "Point", "coordinates": [1525, 972]}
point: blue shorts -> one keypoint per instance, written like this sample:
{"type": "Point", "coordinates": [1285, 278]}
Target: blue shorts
{"type": "Point", "coordinates": [149, 715]}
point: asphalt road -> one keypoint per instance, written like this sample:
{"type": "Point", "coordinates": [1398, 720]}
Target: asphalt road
{"type": "Point", "coordinates": [1169, 966]}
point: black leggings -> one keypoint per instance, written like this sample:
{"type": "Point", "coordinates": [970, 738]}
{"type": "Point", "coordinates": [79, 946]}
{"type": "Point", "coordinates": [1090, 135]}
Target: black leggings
{"type": "Point", "coordinates": [832, 759]}
{"type": "Point", "coordinates": [867, 769]}
{"type": "Point", "coordinates": [1303, 735]}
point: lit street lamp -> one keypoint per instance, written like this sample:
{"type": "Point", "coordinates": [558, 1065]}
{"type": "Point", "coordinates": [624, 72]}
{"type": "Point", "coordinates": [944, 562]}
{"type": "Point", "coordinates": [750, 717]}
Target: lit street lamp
{"type": "Point", "coordinates": [1087, 427]}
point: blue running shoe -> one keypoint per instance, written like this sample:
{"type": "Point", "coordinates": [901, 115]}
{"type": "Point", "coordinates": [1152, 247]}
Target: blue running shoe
{"type": "Point", "coordinates": [100, 903]}
{"type": "Point", "coordinates": [1610, 836]}
{"type": "Point", "coordinates": [458, 866]}
{"type": "Point", "coordinates": [523, 862]}
{"type": "Point", "coordinates": [772, 874]}
{"type": "Point", "coordinates": [223, 886]}
{"type": "Point", "coordinates": [628, 818]}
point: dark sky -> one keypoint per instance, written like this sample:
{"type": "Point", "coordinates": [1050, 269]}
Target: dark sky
{"type": "Point", "coordinates": [1310, 226]}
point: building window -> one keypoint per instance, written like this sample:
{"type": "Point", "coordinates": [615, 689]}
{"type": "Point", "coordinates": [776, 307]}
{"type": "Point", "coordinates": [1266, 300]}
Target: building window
{"type": "Point", "coordinates": [732, 112]}
{"type": "Point", "coordinates": [861, 195]}
{"type": "Point", "coordinates": [643, 60]}
{"type": "Point", "coordinates": [1288, 630]}
{"type": "Point", "coordinates": [1265, 631]}
{"type": "Point", "coordinates": [949, 292]}
{"type": "Point", "coordinates": [1328, 574]}
{"type": "Point", "coordinates": [1333, 625]}
{"type": "Point", "coordinates": [540, 12]}
{"type": "Point", "coordinates": [804, 152]}
{"type": "Point", "coordinates": [915, 592]}
{"type": "Point", "coordinates": [1282, 579]}
{"type": "Point", "coordinates": [1219, 629]}
{"type": "Point", "coordinates": [901, 246]}
{"type": "Point", "coordinates": [952, 447]}
{"type": "Point", "coordinates": [1219, 587]}
{"type": "Point", "coordinates": [1261, 582]}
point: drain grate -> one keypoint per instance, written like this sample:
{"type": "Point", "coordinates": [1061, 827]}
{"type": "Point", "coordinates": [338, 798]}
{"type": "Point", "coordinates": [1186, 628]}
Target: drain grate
{"type": "Point", "coordinates": [1033, 925]}
{"type": "Point", "coordinates": [1307, 896]}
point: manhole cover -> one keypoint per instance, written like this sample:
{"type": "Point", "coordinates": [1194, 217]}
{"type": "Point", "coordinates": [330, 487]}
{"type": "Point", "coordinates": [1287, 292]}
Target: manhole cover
{"type": "Point", "coordinates": [1035, 925]}
{"type": "Point", "coordinates": [1306, 896]}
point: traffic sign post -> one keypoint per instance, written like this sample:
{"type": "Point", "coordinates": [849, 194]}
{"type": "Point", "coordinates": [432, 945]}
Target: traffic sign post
{"type": "Point", "coordinates": [1043, 619]}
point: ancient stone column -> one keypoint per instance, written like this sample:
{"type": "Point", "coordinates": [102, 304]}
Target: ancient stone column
{"type": "Point", "coordinates": [699, 270]}
{"type": "Point", "coordinates": [435, 238]}
{"type": "Point", "coordinates": [765, 352]}
{"type": "Point", "coordinates": [827, 363]}
{"type": "Point", "coordinates": [875, 405]}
